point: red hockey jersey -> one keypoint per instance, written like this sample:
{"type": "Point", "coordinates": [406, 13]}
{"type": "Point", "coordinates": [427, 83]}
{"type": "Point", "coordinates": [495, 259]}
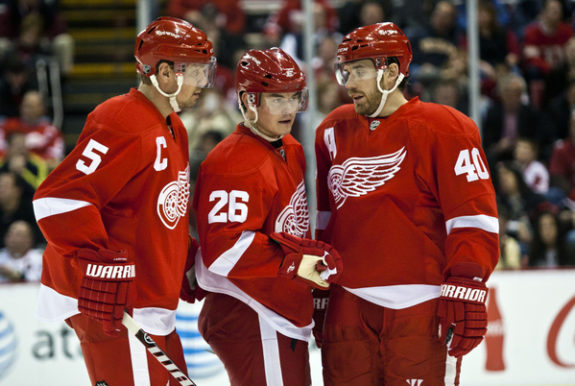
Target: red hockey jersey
{"type": "Point", "coordinates": [403, 198]}
{"type": "Point", "coordinates": [125, 186]}
{"type": "Point", "coordinates": [246, 190]}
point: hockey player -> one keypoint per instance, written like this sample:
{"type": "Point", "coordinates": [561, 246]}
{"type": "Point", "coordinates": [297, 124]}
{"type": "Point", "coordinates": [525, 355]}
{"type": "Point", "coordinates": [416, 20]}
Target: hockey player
{"type": "Point", "coordinates": [405, 196]}
{"type": "Point", "coordinates": [257, 260]}
{"type": "Point", "coordinates": [115, 212]}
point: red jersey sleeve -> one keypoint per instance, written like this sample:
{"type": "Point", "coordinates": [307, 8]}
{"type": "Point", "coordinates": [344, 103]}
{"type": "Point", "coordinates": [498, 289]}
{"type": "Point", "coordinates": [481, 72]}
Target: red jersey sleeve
{"type": "Point", "coordinates": [232, 214]}
{"type": "Point", "coordinates": [67, 204]}
{"type": "Point", "coordinates": [462, 184]}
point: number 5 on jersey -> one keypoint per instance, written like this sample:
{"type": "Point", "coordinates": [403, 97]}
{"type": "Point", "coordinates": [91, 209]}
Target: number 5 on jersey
{"type": "Point", "coordinates": [229, 206]}
{"type": "Point", "coordinates": [92, 152]}
{"type": "Point", "coordinates": [464, 165]}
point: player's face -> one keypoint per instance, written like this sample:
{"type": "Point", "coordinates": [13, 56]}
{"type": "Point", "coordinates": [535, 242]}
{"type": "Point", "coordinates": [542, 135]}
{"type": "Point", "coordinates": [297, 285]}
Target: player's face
{"type": "Point", "coordinates": [361, 86]}
{"type": "Point", "coordinates": [277, 112]}
{"type": "Point", "coordinates": [188, 96]}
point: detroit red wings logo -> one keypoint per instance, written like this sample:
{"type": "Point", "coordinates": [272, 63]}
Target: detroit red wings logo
{"type": "Point", "coordinates": [294, 218]}
{"type": "Point", "coordinates": [173, 200]}
{"type": "Point", "coordinates": [358, 176]}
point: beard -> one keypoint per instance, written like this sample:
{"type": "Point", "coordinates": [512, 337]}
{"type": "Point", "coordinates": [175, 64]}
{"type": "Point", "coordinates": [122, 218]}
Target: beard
{"type": "Point", "coordinates": [368, 104]}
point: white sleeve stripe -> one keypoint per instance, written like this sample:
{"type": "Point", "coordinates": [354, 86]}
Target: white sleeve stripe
{"type": "Point", "coordinates": [322, 219]}
{"type": "Point", "coordinates": [50, 206]}
{"type": "Point", "coordinates": [481, 221]}
{"type": "Point", "coordinates": [227, 260]}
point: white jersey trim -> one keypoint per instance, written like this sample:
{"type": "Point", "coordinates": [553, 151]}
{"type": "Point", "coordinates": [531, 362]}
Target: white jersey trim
{"type": "Point", "coordinates": [271, 351]}
{"type": "Point", "coordinates": [397, 296]}
{"type": "Point", "coordinates": [322, 219]}
{"type": "Point", "coordinates": [212, 282]}
{"type": "Point", "coordinates": [480, 221]}
{"type": "Point", "coordinates": [228, 260]}
{"type": "Point", "coordinates": [52, 306]}
{"type": "Point", "coordinates": [50, 206]}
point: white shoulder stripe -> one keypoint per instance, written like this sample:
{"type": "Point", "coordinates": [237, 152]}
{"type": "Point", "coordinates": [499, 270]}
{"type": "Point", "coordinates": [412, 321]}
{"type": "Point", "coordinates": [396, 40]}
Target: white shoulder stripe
{"type": "Point", "coordinates": [49, 206]}
{"type": "Point", "coordinates": [227, 260]}
{"type": "Point", "coordinates": [481, 221]}
{"type": "Point", "coordinates": [322, 219]}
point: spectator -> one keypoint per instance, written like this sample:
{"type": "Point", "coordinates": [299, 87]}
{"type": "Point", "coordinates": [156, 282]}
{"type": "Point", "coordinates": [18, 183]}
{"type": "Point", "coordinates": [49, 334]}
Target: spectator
{"type": "Point", "coordinates": [535, 174]}
{"type": "Point", "coordinates": [499, 48]}
{"type": "Point", "coordinates": [15, 82]}
{"type": "Point", "coordinates": [549, 249]}
{"type": "Point", "coordinates": [324, 61]}
{"type": "Point", "coordinates": [230, 15]}
{"type": "Point", "coordinates": [544, 52]}
{"type": "Point", "coordinates": [19, 261]}
{"type": "Point", "coordinates": [222, 20]}
{"type": "Point", "coordinates": [33, 27]}
{"type": "Point", "coordinates": [436, 46]}
{"type": "Point", "coordinates": [357, 13]}
{"type": "Point", "coordinates": [562, 165]}
{"type": "Point", "coordinates": [508, 119]}
{"type": "Point", "coordinates": [14, 204]}
{"type": "Point", "coordinates": [31, 168]}
{"type": "Point", "coordinates": [42, 138]}
{"type": "Point", "coordinates": [211, 113]}
{"type": "Point", "coordinates": [289, 21]}
{"type": "Point", "coordinates": [509, 248]}
{"type": "Point", "coordinates": [518, 200]}
{"type": "Point", "coordinates": [560, 110]}
{"type": "Point", "coordinates": [447, 92]}
{"type": "Point", "coordinates": [208, 140]}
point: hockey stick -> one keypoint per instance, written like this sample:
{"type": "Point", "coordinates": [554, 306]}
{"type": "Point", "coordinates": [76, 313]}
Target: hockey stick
{"type": "Point", "coordinates": [135, 329]}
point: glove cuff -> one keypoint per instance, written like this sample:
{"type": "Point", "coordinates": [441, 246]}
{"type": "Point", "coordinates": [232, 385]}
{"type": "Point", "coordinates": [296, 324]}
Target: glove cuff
{"type": "Point", "coordinates": [468, 270]}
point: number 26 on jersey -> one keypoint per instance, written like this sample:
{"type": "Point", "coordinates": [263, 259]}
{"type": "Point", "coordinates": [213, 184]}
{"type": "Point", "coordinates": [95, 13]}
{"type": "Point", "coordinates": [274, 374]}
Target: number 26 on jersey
{"type": "Point", "coordinates": [229, 206]}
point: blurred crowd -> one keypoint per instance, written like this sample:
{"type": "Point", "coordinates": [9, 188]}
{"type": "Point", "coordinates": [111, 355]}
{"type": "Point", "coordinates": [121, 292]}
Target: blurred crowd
{"type": "Point", "coordinates": [527, 76]}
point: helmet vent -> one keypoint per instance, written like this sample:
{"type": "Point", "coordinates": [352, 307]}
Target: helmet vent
{"type": "Point", "coordinates": [151, 29]}
{"type": "Point", "coordinates": [268, 76]}
{"type": "Point", "coordinates": [265, 84]}
{"type": "Point", "coordinates": [140, 45]}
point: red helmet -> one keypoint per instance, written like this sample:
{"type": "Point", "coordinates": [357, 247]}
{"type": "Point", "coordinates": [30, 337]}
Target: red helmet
{"type": "Point", "coordinates": [378, 42]}
{"type": "Point", "coordinates": [271, 70]}
{"type": "Point", "coordinates": [172, 39]}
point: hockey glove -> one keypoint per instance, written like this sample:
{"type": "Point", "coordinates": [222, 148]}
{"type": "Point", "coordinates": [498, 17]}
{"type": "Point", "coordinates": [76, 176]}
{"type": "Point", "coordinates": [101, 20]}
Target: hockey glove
{"type": "Point", "coordinates": [191, 291]}
{"type": "Point", "coordinates": [461, 309]}
{"type": "Point", "coordinates": [105, 290]}
{"type": "Point", "coordinates": [314, 262]}
{"type": "Point", "coordinates": [320, 302]}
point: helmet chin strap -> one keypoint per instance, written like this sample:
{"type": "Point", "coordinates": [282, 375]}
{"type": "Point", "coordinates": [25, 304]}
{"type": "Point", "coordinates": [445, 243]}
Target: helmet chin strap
{"type": "Point", "coordinates": [172, 96]}
{"type": "Point", "coordinates": [251, 124]}
{"type": "Point", "coordinates": [384, 93]}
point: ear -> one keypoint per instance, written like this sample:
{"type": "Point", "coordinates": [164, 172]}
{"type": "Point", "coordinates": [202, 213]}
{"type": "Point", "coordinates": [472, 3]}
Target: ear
{"type": "Point", "coordinates": [164, 72]}
{"type": "Point", "coordinates": [390, 76]}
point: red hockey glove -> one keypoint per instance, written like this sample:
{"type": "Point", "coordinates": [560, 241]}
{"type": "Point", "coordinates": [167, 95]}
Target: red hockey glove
{"type": "Point", "coordinates": [461, 310]}
{"type": "Point", "coordinates": [311, 261]}
{"type": "Point", "coordinates": [105, 290]}
{"type": "Point", "coordinates": [320, 302]}
{"type": "Point", "coordinates": [191, 291]}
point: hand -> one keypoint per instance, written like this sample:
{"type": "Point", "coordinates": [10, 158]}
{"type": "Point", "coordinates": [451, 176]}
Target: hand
{"type": "Point", "coordinates": [320, 303]}
{"type": "Point", "coordinates": [105, 290]}
{"type": "Point", "coordinates": [191, 291]}
{"type": "Point", "coordinates": [314, 262]}
{"type": "Point", "coordinates": [461, 311]}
